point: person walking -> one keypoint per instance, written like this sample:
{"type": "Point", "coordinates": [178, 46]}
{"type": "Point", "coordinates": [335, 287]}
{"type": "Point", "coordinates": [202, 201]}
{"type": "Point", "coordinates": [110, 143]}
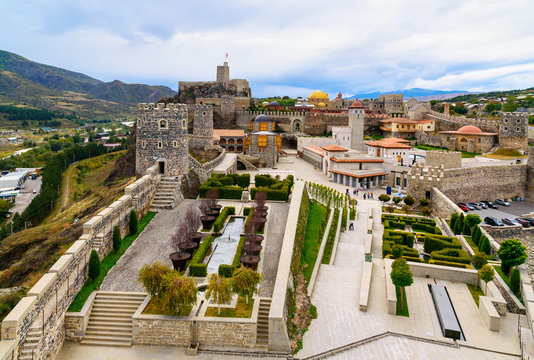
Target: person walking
{"type": "Point", "coordinates": [364, 196]}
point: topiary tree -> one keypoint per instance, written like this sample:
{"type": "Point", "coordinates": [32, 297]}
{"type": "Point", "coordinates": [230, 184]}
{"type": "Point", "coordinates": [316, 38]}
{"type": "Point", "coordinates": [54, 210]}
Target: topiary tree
{"type": "Point", "coordinates": [424, 202]}
{"type": "Point", "coordinates": [396, 251]}
{"type": "Point", "coordinates": [384, 198]}
{"type": "Point", "coordinates": [472, 220]}
{"type": "Point", "coordinates": [479, 259]}
{"type": "Point", "coordinates": [94, 265]}
{"type": "Point", "coordinates": [179, 293]}
{"type": "Point", "coordinates": [132, 224]}
{"type": "Point", "coordinates": [396, 199]}
{"type": "Point", "coordinates": [515, 280]}
{"type": "Point", "coordinates": [487, 274]}
{"type": "Point", "coordinates": [219, 289]}
{"type": "Point", "coordinates": [245, 281]}
{"type": "Point", "coordinates": [466, 229]}
{"type": "Point", "coordinates": [152, 277]}
{"type": "Point", "coordinates": [408, 200]}
{"type": "Point", "coordinates": [116, 238]}
{"type": "Point", "coordinates": [484, 245]}
{"type": "Point", "coordinates": [512, 253]}
{"type": "Point", "coordinates": [407, 209]}
{"type": "Point", "coordinates": [454, 219]}
{"type": "Point", "coordinates": [401, 276]}
{"type": "Point", "coordinates": [475, 234]}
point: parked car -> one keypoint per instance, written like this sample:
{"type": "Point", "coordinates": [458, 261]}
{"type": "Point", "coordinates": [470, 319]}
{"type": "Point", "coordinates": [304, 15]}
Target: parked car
{"type": "Point", "coordinates": [474, 206]}
{"type": "Point", "coordinates": [511, 222]}
{"type": "Point", "coordinates": [523, 222]}
{"type": "Point", "coordinates": [491, 205]}
{"type": "Point", "coordinates": [490, 220]}
{"type": "Point", "coordinates": [482, 205]}
{"type": "Point", "coordinates": [463, 207]}
{"type": "Point", "coordinates": [502, 202]}
{"type": "Point", "coordinates": [527, 220]}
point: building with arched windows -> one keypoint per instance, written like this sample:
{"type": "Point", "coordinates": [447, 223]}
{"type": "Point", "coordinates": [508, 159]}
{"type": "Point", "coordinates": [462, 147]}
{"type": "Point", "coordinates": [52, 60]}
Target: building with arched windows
{"type": "Point", "coordinates": [469, 138]}
{"type": "Point", "coordinates": [263, 142]}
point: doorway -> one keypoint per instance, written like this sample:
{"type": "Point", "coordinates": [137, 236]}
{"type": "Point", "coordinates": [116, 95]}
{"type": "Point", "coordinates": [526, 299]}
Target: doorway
{"type": "Point", "coordinates": [161, 167]}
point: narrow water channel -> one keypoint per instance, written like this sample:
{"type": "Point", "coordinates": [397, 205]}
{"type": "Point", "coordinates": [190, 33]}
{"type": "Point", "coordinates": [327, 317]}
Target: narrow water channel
{"type": "Point", "coordinates": [226, 244]}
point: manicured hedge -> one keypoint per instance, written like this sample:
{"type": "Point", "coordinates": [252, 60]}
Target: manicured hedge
{"type": "Point", "coordinates": [394, 224]}
{"type": "Point", "coordinates": [451, 255]}
{"type": "Point", "coordinates": [228, 270]}
{"type": "Point", "coordinates": [246, 211]}
{"type": "Point", "coordinates": [399, 237]}
{"type": "Point", "coordinates": [196, 267]}
{"type": "Point", "coordinates": [219, 222]}
{"type": "Point", "coordinates": [274, 188]}
{"type": "Point", "coordinates": [406, 251]}
{"type": "Point", "coordinates": [228, 186]}
{"type": "Point", "coordinates": [434, 242]}
{"type": "Point", "coordinates": [426, 227]}
{"type": "Point", "coordinates": [448, 263]}
{"type": "Point", "coordinates": [408, 258]}
{"type": "Point", "coordinates": [408, 220]}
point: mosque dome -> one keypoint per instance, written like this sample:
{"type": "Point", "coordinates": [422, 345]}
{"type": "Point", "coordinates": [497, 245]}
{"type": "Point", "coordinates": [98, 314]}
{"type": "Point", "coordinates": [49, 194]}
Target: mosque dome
{"type": "Point", "coordinates": [265, 103]}
{"type": "Point", "coordinates": [321, 104]}
{"type": "Point", "coordinates": [274, 103]}
{"type": "Point", "coordinates": [318, 95]}
{"type": "Point", "coordinates": [262, 118]}
{"type": "Point", "coordinates": [469, 129]}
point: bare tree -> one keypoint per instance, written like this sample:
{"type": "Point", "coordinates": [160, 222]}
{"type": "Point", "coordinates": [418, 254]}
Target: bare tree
{"type": "Point", "coordinates": [204, 207]}
{"type": "Point", "coordinates": [180, 235]}
{"type": "Point", "coordinates": [260, 198]}
{"type": "Point", "coordinates": [192, 218]}
{"type": "Point", "coordinates": [211, 197]}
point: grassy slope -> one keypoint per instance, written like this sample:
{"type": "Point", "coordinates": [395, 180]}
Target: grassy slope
{"type": "Point", "coordinates": [26, 255]}
{"type": "Point", "coordinates": [312, 242]}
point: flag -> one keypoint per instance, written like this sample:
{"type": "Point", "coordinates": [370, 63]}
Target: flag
{"type": "Point", "coordinates": [227, 55]}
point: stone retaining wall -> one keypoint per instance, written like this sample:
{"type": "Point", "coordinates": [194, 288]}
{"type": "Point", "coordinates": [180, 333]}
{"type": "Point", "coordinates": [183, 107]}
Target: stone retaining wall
{"type": "Point", "coordinates": [47, 301]}
{"type": "Point", "coordinates": [442, 206]}
{"type": "Point", "coordinates": [204, 170]}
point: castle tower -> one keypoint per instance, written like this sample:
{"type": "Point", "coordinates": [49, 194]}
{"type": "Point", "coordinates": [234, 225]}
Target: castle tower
{"type": "Point", "coordinates": [513, 130]}
{"type": "Point", "coordinates": [162, 139]}
{"type": "Point", "coordinates": [223, 73]}
{"type": "Point", "coordinates": [356, 119]}
{"type": "Point", "coordinates": [202, 127]}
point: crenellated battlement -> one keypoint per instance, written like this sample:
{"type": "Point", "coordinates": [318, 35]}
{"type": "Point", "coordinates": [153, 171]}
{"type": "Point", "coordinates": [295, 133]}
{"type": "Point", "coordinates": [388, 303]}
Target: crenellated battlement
{"type": "Point", "coordinates": [488, 124]}
{"type": "Point", "coordinates": [151, 107]}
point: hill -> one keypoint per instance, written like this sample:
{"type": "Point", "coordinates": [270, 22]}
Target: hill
{"type": "Point", "coordinates": [23, 81]}
{"type": "Point", "coordinates": [419, 94]}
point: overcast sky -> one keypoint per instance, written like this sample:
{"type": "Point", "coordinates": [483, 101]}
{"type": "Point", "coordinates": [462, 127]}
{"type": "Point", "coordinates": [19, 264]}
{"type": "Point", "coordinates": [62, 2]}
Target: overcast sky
{"type": "Point", "coordinates": [285, 47]}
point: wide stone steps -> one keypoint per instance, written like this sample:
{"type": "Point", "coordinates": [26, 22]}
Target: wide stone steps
{"type": "Point", "coordinates": [110, 321]}
{"type": "Point", "coordinates": [262, 329]}
{"type": "Point", "coordinates": [33, 336]}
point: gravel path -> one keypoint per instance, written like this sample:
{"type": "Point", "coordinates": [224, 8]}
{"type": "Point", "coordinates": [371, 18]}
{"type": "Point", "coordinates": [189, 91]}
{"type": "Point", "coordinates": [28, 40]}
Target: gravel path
{"type": "Point", "coordinates": [153, 244]}
{"type": "Point", "coordinates": [276, 225]}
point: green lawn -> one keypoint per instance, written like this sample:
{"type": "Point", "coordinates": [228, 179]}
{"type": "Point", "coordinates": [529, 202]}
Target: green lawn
{"type": "Point", "coordinates": [465, 154]}
{"type": "Point", "coordinates": [471, 243]}
{"type": "Point", "coordinates": [107, 263]}
{"type": "Point", "coordinates": [404, 304]}
{"type": "Point", "coordinates": [242, 310]}
{"type": "Point", "coordinates": [506, 279]}
{"type": "Point", "coordinates": [475, 293]}
{"type": "Point", "coordinates": [312, 242]}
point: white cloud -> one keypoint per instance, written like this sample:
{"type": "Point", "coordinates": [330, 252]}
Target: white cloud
{"type": "Point", "coordinates": [347, 46]}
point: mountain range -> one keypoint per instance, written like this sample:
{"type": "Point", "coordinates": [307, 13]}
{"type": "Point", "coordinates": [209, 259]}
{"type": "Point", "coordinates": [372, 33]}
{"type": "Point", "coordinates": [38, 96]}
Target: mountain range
{"type": "Point", "coordinates": [23, 81]}
{"type": "Point", "coordinates": [419, 94]}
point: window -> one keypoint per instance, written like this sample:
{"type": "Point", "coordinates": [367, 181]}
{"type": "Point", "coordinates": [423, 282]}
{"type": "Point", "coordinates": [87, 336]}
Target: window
{"type": "Point", "coordinates": [204, 113]}
{"type": "Point", "coordinates": [263, 126]}
{"type": "Point", "coordinates": [144, 143]}
{"type": "Point", "coordinates": [262, 140]}
{"type": "Point", "coordinates": [175, 143]}
{"type": "Point", "coordinates": [160, 144]}
{"type": "Point", "coordinates": [184, 124]}
{"type": "Point", "coordinates": [505, 128]}
{"type": "Point", "coordinates": [397, 181]}
{"type": "Point", "coordinates": [163, 124]}
{"type": "Point", "coordinates": [517, 129]}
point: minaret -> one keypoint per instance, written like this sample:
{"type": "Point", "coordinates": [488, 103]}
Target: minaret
{"type": "Point", "coordinates": [356, 118]}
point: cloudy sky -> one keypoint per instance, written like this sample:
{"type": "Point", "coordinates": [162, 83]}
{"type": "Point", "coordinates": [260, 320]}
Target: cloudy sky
{"type": "Point", "coordinates": [283, 47]}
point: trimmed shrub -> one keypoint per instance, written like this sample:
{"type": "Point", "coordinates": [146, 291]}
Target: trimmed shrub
{"type": "Point", "coordinates": [448, 263]}
{"type": "Point", "coordinates": [94, 265]}
{"type": "Point", "coordinates": [226, 270]}
{"type": "Point", "coordinates": [263, 181]}
{"type": "Point", "coordinates": [219, 222]}
{"type": "Point", "coordinates": [198, 270]}
{"type": "Point", "coordinates": [439, 242]}
{"type": "Point", "coordinates": [484, 245]}
{"type": "Point", "coordinates": [243, 180]}
{"type": "Point", "coordinates": [116, 238]}
{"type": "Point", "coordinates": [451, 255]}
{"type": "Point", "coordinates": [202, 250]}
{"type": "Point", "coordinates": [475, 234]}
{"type": "Point", "coordinates": [399, 237]}
{"type": "Point", "coordinates": [515, 280]}
{"type": "Point", "coordinates": [406, 251]}
{"type": "Point", "coordinates": [394, 224]}
{"type": "Point", "coordinates": [132, 224]}
{"type": "Point", "coordinates": [466, 229]}
{"type": "Point", "coordinates": [426, 227]}
{"type": "Point", "coordinates": [230, 192]}
{"type": "Point", "coordinates": [246, 211]}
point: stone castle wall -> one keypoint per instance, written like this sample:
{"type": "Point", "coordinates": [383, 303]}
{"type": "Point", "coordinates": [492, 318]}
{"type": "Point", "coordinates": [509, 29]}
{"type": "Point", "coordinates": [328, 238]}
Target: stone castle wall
{"type": "Point", "coordinates": [204, 170]}
{"type": "Point", "coordinates": [513, 130]}
{"type": "Point", "coordinates": [442, 206]}
{"type": "Point", "coordinates": [202, 127]}
{"type": "Point", "coordinates": [47, 301]}
{"type": "Point", "coordinates": [447, 122]}
{"type": "Point", "coordinates": [449, 159]}
{"type": "Point", "coordinates": [162, 137]}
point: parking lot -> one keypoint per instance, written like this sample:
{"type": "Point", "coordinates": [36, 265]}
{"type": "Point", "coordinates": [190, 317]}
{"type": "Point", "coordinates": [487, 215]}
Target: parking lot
{"type": "Point", "coordinates": [26, 195]}
{"type": "Point", "coordinates": [516, 209]}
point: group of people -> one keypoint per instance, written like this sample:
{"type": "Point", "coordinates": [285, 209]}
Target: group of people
{"type": "Point", "coordinates": [356, 192]}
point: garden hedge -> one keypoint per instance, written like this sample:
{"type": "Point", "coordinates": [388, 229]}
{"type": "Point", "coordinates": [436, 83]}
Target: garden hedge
{"type": "Point", "coordinates": [426, 227]}
{"type": "Point", "coordinates": [225, 269]}
{"type": "Point", "coordinates": [196, 267]}
{"type": "Point", "coordinates": [219, 222]}
{"type": "Point", "coordinates": [394, 224]}
{"type": "Point", "coordinates": [448, 263]}
{"type": "Point", "coordinates": [433, 242]}
{"type": "Point", "coordinates": [451, 255]}
{"type": "Point", "coordinates": [408, 220]}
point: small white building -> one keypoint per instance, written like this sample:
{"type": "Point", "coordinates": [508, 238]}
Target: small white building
{"type": "Point", "coordinates": [342, 136]}
{"type": "Point", "coordinates": [393, 148]}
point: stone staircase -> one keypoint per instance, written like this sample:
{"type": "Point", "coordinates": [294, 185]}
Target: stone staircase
{"type": "Point", "coordinates": [110, 321]}
{"type": "Point", "coordinates": [262, 331]}
{"type": "Point", "coordinates": [30, 343]}
{"type": "Point", "coordinates": [167, 194]}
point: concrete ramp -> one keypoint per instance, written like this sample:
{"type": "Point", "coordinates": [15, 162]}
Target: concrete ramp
{"type": "Point", "coordinates": [227, 165]}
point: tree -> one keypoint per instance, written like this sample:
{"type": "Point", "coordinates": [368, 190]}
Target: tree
{"type": "Point", "coordinates": [466, 229]}
{"type": "Point", "coordinates": [192, 218]}
{"type": "Point", "coordinates": [397, 199]}
{"type": "Point", "coordinates": [152, 278]}
{"type": "Point", "coordinates": [116, 238]}
{"type": "Point", "coordinates": [179, 292]}
{"type": "Point", "coordinates": [401, 275]}
{"type": "Point", "coordinates": [454, 219]}
{"type": "Point", "coordinates": [472, 219]}
{"type": "Point", "coordinates": [487, 274]}
{"type": "Point", "coordinates": [219, 289]}
{"type": "Point", "coordinates": [484, 245]}
{"type": "Point", "coordinates": [133, 222]}
{"type": "Point", "coordinates": [390, 209]}
{"type": "Point", "coordinates": [515, 280]}
{"type": "Point", "coordinates": [245, 281]}
{"type": "Point", "coordinates": [424, 202]}
{"type": "Point", "coordinates": [384, 197]}
{"type": "Point", "coordinates": [4, 207]}
{"type": "Point", "coordinates": [408, 200]}
{"type": "Point", "coordinates": [426, 211]}
{"type": "Point", "coordinates": [407, 209]}
{"type": "Point", "coordinates": [512, 253]}
{"type": "Point", "coordinates": [479, 259]}
{"type": "Point", "coordinates": [94, 265]}
{"type": "Point", "coordinates": [396, 251]}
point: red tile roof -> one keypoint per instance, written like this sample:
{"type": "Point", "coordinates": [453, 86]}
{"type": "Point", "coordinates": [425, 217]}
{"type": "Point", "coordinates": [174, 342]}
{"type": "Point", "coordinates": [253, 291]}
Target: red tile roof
{"type": "Point", "coordinates": [356, 176]}
{"type": "Point", "coordinates": [217, 133]}
{"type": "Point", "coordinates": [356, 160]}
{"type": "Point", "coordinates": [399, 121]}
{"type": "Point", "coordinates": [334, 148]}
{"type": "Point", "coordinates": [388, 144]}
{"type": "Point", "coordinates": [315, 149]}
